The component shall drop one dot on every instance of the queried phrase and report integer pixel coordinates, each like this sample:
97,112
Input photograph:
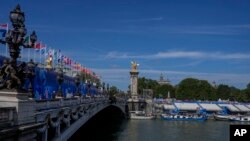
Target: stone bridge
23,119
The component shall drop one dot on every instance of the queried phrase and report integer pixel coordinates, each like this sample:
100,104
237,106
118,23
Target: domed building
162,81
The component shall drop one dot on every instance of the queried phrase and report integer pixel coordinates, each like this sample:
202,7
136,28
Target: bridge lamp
17,17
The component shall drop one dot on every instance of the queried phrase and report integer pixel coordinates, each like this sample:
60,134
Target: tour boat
139,115
190,117
240,118
222,117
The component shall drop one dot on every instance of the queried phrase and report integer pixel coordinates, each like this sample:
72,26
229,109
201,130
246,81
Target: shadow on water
103,126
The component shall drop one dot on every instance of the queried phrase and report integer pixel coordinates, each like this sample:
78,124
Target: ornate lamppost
60,80
30,73
12,75
77,82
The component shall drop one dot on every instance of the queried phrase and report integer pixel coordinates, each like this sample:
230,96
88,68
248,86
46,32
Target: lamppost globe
17,17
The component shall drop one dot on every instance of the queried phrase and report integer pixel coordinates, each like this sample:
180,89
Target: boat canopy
187,106
210,107
243,108
230,107
169,107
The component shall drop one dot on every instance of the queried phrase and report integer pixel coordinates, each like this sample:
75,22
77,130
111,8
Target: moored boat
222,117
177,117
240,118
139,115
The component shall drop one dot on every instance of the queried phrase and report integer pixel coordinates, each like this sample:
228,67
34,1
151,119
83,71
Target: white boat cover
169,107
248,106
243,108
210,107
230,107
187,106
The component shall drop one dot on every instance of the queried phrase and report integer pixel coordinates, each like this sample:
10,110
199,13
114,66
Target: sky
208,39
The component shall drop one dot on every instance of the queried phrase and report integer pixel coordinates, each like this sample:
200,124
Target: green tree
194,89
162,91
113,90
246,93
144,83
223,92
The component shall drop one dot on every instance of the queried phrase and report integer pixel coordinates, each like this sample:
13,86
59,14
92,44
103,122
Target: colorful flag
39,46
3,29
27,40
59,56
43,50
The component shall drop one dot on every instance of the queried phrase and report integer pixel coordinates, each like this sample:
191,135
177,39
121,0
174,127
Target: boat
189,117
240,118
140,115
222,117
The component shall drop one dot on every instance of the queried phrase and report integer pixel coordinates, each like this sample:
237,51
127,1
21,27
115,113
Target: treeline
194,89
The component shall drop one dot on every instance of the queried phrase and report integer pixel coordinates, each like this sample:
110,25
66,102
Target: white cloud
121,76
181,54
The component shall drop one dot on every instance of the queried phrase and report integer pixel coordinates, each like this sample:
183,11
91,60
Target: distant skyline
207,39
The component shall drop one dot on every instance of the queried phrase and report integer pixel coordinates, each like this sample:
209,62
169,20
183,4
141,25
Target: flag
39,46
59,56
43,50
27,40
3,29
55,56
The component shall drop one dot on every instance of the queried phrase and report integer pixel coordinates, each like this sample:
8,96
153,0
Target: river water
108,126
160,130
154,130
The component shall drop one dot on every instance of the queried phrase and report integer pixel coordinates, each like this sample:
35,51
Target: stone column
134,85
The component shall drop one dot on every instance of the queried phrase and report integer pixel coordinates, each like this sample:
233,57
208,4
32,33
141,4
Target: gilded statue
49,62
134,66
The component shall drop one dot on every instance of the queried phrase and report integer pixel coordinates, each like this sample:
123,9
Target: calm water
159,130
108,126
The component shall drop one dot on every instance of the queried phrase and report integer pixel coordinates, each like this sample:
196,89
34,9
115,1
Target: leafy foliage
195,89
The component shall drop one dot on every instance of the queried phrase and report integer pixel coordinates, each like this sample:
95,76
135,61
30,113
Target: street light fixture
14,39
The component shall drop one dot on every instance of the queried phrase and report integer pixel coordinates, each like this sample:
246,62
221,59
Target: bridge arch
89,113
102,126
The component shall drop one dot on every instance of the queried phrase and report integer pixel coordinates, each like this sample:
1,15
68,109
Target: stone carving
12,77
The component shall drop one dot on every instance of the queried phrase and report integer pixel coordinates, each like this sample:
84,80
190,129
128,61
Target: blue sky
200,39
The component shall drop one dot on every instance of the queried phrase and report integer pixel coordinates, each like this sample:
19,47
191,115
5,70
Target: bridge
23,118
33,99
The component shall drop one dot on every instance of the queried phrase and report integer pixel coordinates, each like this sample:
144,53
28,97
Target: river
153,130
160,130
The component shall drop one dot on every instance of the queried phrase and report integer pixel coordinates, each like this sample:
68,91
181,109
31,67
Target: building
162,81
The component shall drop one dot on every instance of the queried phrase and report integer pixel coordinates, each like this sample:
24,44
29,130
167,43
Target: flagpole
45,55
28,54
6,44
40,59
34,55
